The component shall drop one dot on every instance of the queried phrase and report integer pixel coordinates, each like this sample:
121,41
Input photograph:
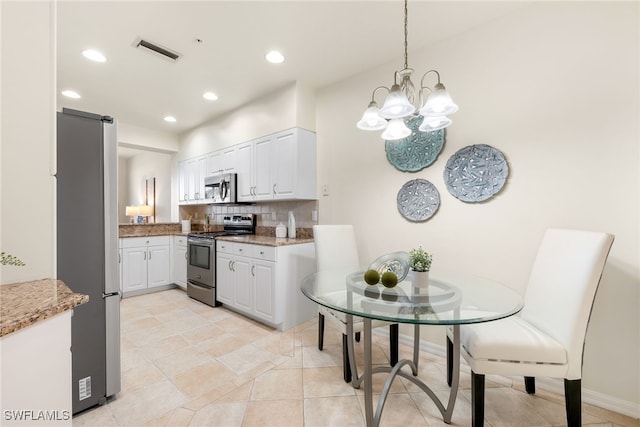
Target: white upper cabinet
183,195
223,161
191,175
244,169
281,166
263,168
278,167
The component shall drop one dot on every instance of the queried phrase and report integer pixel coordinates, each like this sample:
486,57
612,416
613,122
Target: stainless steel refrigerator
87,250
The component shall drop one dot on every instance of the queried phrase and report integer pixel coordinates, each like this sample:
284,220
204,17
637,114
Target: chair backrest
336,247
562,287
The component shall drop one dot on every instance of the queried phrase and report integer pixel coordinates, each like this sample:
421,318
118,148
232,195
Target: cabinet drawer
180,240
267,253
135,242
224,247
243,249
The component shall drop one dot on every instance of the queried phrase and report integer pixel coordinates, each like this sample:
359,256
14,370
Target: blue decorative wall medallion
417,151
418,200
475,173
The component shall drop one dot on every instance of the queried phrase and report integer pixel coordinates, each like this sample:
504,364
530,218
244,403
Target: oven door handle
198,285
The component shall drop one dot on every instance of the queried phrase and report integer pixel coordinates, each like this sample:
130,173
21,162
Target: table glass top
448,300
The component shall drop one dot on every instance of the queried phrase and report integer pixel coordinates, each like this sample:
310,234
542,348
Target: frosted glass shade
396,129
396,105
432,123
439,103
371,119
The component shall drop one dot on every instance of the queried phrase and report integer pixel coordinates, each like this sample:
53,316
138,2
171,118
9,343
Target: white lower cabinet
180,261
263,281
146,262
36,372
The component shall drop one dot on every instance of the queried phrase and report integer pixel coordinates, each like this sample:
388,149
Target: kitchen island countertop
26,303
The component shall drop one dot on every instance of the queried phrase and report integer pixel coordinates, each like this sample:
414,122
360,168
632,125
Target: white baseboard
595,398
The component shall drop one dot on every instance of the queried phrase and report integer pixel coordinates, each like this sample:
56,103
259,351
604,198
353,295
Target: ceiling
322,41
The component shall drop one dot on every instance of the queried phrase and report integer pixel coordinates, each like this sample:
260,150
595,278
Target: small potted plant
420,264
8,259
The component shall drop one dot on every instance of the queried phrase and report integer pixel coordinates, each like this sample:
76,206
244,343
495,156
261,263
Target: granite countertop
256,239
24,304
155,229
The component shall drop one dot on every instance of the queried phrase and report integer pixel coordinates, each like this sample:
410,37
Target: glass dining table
449,300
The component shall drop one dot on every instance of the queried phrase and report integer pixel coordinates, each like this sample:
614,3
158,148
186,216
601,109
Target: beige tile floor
187,364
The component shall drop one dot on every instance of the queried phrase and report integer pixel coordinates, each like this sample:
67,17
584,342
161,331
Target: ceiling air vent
153,47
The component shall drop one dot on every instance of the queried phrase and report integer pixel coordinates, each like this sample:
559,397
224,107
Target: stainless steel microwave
221,188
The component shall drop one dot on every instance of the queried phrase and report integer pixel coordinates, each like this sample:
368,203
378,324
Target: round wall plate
475,173
417,151
418,200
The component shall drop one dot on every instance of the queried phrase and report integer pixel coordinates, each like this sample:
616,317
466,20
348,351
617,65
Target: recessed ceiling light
170,119
71,94
210,96
274,57
94,55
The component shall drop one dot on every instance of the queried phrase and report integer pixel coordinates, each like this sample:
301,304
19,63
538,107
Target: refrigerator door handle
110,294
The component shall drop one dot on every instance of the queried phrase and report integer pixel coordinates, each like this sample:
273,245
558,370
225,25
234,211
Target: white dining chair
547,337
336,249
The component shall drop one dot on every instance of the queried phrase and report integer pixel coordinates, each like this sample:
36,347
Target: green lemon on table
372,277
389,279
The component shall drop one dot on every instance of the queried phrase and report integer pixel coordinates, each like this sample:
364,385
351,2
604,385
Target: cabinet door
245,172
224,278
215,163
229,160
182,183
158,266
134,269
202,171
263,162
284,170
243,284
191,167
180,266
263,273
223,161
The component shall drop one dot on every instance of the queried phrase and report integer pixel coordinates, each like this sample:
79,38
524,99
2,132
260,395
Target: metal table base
373,420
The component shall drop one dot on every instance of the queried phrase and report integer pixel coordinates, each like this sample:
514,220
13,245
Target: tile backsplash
303,211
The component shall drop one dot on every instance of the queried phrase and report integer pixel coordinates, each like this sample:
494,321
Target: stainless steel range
201,266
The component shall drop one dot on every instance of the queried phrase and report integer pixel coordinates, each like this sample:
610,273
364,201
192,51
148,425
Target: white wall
28,136
143,138
554,87
123,189
146,165
269,114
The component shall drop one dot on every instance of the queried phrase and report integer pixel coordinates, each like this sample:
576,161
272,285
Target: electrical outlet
274,216
325,190
314,215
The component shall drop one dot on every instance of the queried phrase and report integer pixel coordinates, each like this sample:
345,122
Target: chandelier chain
406,44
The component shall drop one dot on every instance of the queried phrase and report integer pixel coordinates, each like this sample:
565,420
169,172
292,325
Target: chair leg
449,362
573,402
393,344
357,336
345,360
530,385
320,331
477,400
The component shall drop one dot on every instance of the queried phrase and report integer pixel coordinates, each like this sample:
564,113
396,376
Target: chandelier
402,103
